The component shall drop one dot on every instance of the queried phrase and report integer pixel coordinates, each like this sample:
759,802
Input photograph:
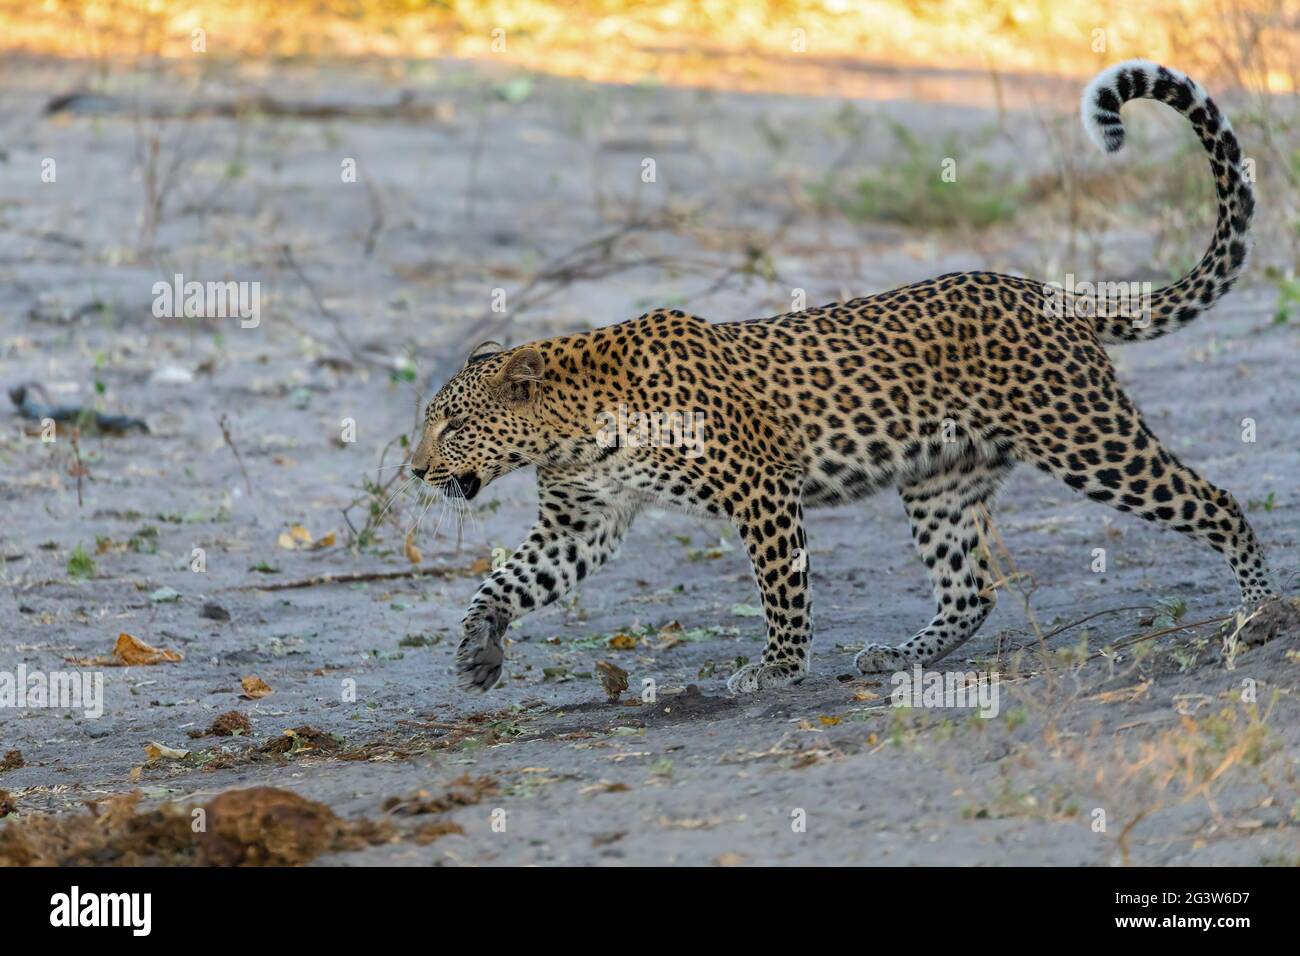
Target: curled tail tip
1177,304
1133,79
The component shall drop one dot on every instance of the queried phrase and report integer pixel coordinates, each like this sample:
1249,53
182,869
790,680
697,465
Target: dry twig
224,424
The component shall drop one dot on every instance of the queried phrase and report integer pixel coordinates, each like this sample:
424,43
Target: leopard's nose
419,472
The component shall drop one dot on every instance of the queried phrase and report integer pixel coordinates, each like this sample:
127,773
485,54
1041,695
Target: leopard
938,388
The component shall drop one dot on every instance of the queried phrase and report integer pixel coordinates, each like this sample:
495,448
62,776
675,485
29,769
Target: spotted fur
938,388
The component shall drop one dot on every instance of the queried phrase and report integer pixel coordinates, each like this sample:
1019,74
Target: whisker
464,509
475,524
461,505
441,514
393,497
419,521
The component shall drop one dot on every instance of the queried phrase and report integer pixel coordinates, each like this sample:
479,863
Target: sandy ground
1145,755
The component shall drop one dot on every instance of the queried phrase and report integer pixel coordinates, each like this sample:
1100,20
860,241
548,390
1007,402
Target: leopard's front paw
482,652
883,659
754,677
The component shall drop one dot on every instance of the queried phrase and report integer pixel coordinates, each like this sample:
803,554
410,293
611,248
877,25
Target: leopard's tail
1175,305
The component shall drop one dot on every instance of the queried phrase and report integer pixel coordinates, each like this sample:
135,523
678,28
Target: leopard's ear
521,380
482,351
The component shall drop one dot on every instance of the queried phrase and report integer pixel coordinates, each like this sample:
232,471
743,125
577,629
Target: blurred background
714,42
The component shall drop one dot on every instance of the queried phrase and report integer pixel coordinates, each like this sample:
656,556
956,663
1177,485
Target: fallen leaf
627,755
255,688
605,786
687,823
1122,694
623,642
427,833
412,552
828,721
481,566
1188,704
298,537
130,651
156,752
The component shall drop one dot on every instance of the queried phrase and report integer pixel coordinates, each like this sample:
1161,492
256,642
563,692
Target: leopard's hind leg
1113,457
945,512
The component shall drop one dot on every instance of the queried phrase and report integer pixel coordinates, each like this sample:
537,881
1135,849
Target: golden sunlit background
773,45
708,41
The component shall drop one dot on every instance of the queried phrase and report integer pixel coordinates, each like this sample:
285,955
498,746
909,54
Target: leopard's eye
452,425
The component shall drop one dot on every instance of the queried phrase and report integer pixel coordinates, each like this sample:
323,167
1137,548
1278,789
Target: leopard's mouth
464,486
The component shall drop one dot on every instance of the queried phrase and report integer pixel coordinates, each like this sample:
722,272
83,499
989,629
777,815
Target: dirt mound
687,705
1278,618
302,739
230,724
266,826
263,826
113,832
464,792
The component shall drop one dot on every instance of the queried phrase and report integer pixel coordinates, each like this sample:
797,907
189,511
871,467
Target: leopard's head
484,423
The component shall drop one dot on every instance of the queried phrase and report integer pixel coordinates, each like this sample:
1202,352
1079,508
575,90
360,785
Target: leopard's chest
668,487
